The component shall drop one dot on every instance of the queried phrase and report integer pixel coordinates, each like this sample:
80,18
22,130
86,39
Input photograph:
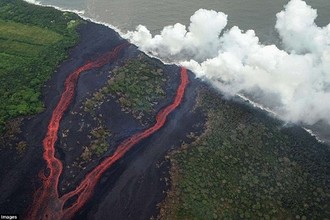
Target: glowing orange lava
47,202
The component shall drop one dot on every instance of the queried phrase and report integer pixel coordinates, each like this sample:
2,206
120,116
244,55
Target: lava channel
47,203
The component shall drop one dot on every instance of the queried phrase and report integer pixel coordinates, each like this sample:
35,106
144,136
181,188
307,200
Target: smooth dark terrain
213,159
138,175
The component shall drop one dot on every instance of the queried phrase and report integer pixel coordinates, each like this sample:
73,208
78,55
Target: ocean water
258,15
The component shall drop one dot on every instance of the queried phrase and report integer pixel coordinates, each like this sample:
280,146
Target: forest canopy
33,41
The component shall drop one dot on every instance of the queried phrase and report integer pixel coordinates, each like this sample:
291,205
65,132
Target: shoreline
95,39
189,197
34,127
135,176
314,133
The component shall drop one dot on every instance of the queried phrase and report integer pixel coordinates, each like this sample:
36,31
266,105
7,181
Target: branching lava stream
47,203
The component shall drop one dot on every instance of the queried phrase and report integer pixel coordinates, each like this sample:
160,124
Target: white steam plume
33,2
175,42
294,83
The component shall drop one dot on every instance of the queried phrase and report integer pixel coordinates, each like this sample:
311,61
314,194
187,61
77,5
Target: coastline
94,40
141,173
314,133
242,153
79,13
33,128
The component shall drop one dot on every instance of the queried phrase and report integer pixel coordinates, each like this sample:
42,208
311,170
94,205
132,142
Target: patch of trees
25,65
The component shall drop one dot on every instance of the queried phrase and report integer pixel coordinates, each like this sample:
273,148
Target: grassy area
28,34
15,47
33,41
137,85
246,167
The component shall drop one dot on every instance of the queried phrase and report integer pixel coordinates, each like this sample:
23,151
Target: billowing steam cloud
33,2
176,43
294,83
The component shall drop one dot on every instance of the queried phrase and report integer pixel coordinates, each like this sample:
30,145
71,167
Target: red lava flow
47,203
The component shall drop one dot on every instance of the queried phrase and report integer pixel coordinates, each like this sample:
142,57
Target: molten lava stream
85,189
47,203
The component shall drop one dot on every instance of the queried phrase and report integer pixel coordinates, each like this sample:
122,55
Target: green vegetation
27,34
244,167
99,144
33,41
138,86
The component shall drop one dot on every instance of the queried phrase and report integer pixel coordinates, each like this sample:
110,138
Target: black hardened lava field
93,128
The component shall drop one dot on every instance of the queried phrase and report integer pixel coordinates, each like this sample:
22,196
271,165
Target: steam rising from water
33,2
294,83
